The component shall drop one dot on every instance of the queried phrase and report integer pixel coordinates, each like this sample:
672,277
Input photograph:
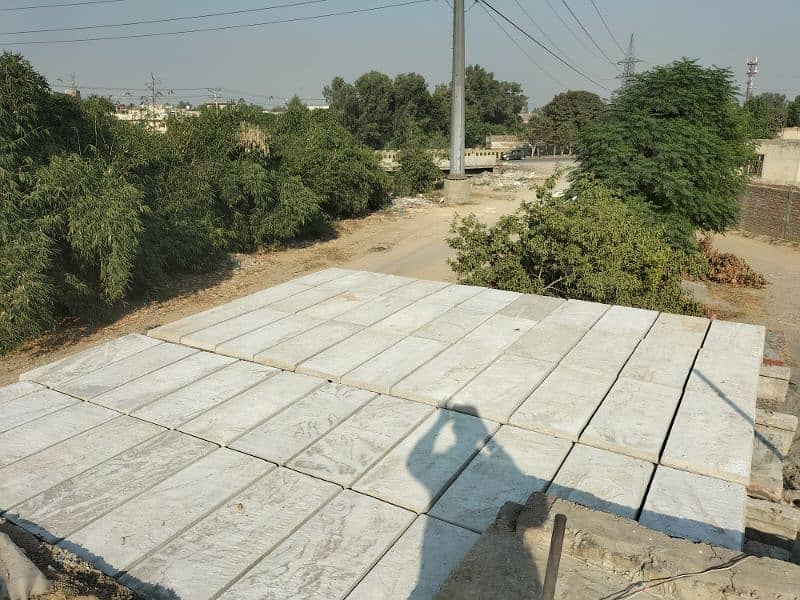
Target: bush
418,173
590,248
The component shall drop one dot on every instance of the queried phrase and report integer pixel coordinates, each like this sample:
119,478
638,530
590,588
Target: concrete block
532,307
95,383
16,390
381,373
72,504
347,451
290,353
412,317
499,390
548,341
563,403
418,563
498,332
418,289
694,507
776,372
375,310
457,191
733,379
209,556
727,337
211,337
122,537
41,471
766,468
304,422
452,325
250,345
633,419
304,299
416,471
343,541
603,481
626,321
678,330
337,305
712,436
577,313
345,356
35,436
233,418
773,391
22,409
602,351
55,373
770,418
653,362
382,284
185,404
512,465
490,301
137,393
453,295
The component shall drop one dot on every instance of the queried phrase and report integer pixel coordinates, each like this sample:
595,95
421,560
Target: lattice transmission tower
752,70
628,64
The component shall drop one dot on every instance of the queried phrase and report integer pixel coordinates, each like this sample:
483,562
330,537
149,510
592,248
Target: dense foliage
94,209
675,144
418,171
591,248
768,113
559,122
382,112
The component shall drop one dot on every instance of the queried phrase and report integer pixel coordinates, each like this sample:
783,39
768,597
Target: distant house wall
781,162
771,210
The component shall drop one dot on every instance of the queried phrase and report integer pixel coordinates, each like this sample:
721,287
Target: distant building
778,160
318,107
502,142
152,117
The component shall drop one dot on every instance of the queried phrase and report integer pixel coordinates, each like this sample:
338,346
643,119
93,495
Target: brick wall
771,210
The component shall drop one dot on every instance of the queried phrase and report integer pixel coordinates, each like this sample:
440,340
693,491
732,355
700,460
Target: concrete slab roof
351,433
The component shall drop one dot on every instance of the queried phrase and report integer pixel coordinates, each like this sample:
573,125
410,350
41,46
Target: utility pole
752,70
628,64
457,186
216,93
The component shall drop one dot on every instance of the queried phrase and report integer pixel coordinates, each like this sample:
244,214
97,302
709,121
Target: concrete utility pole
752,69
457,186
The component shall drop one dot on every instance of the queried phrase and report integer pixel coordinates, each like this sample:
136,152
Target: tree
591,248
541,132
570,112
675,144
492,106
793,113
768,113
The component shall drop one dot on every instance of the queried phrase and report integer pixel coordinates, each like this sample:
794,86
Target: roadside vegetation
94,210
661,163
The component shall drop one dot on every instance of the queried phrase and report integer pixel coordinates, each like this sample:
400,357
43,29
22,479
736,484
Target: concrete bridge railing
474,159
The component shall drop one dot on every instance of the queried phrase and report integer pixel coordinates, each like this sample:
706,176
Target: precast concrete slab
490,301
634,419
16,390
305,299
414,316
603,480
343,540
348,354
679,330
626,321
511,466
453,295
323,276
292,352
125,535
337,305
250,345
418,563
654,362
415,473
21,409
532,307
452,325
208,557
343,454
378,309
291,431
696,507
56,373
211,337
740,339
602,351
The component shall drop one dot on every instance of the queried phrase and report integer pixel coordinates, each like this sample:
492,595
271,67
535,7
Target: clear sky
301,57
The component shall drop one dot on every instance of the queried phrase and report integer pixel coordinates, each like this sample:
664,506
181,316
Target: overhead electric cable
167,20
37,6
521,49
608,29
543,47
589,35
219,28
542,31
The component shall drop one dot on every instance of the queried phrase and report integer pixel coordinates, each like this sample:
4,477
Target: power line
37,6
167,20
608,29
542,31
521,49
219,28
568,28
543,47
589,35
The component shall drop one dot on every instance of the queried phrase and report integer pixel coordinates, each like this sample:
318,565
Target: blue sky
300,58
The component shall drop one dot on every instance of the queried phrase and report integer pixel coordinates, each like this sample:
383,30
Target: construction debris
19,577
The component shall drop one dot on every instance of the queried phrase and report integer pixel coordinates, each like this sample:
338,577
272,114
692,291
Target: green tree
570,112
768,113
590,248
793,113
675,144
